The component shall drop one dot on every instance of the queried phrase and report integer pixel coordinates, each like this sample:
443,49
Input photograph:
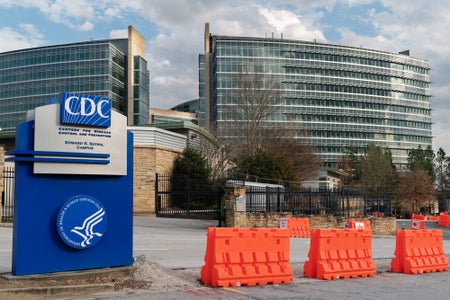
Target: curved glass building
113,68
336,96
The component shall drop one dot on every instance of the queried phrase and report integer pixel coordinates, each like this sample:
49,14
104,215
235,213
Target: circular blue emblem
81,222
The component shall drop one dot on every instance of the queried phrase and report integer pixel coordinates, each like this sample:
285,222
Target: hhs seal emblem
81,222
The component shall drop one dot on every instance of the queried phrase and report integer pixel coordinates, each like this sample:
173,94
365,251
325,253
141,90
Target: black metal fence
8,194
303,201
181,196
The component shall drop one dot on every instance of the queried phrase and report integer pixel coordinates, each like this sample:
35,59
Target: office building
336,97
114,68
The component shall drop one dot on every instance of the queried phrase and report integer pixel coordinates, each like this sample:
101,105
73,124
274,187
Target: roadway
180,244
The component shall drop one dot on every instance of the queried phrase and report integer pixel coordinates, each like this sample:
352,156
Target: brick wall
149,160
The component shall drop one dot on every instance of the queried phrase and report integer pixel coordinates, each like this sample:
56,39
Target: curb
51,291
37,286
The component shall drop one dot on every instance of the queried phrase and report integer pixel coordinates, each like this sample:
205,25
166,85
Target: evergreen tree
378,174
192,163
422,159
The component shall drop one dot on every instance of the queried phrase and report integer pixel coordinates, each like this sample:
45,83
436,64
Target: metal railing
345,202
8,194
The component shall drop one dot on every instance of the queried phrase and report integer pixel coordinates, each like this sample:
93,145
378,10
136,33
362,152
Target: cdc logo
81,222
85,110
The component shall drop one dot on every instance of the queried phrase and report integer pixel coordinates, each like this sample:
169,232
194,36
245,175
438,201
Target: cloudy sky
174,31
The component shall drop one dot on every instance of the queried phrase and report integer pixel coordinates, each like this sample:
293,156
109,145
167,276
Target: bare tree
415,191
255,101
299,153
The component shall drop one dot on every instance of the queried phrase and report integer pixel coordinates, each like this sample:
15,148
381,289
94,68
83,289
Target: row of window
55,86
354,60
385,107
358,135
61,70
351,122
353,90
310,47
354,75
58,54
394,100
345,82
327,126
277,52
357,120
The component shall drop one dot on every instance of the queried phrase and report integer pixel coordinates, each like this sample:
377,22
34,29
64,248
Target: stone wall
233,218
149,160
380,226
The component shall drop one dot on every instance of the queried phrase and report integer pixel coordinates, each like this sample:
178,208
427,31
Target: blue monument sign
73,187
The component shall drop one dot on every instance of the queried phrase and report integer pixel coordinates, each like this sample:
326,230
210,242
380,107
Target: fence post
310,202
234,218
188,193
348,206
278,200
2,168
157,198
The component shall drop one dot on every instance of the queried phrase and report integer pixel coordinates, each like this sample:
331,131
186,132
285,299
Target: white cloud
80,15
118,34
173,54
27,36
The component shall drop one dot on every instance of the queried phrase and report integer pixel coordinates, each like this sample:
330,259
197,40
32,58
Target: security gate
182,197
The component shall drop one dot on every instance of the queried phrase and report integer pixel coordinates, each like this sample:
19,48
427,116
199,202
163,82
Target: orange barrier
444,219
432,218
340,253
417,224
355,224
419,251
378,215
299,227
417,217
247,256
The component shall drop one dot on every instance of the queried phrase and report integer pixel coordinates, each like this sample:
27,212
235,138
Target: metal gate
183,197
8,194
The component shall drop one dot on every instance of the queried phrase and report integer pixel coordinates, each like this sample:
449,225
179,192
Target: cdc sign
85,110
73,187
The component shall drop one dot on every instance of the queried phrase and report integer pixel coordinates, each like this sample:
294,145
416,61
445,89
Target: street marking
235,291
152,249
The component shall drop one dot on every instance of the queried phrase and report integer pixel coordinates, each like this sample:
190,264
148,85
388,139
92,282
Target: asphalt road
181,244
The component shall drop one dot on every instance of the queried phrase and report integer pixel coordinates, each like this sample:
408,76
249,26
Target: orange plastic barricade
444,220
299,227
340,253
432,218
419,251
417,224
356,224
247,256
417,217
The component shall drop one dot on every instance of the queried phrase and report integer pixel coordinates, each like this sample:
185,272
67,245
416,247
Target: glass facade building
111,68
337,97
